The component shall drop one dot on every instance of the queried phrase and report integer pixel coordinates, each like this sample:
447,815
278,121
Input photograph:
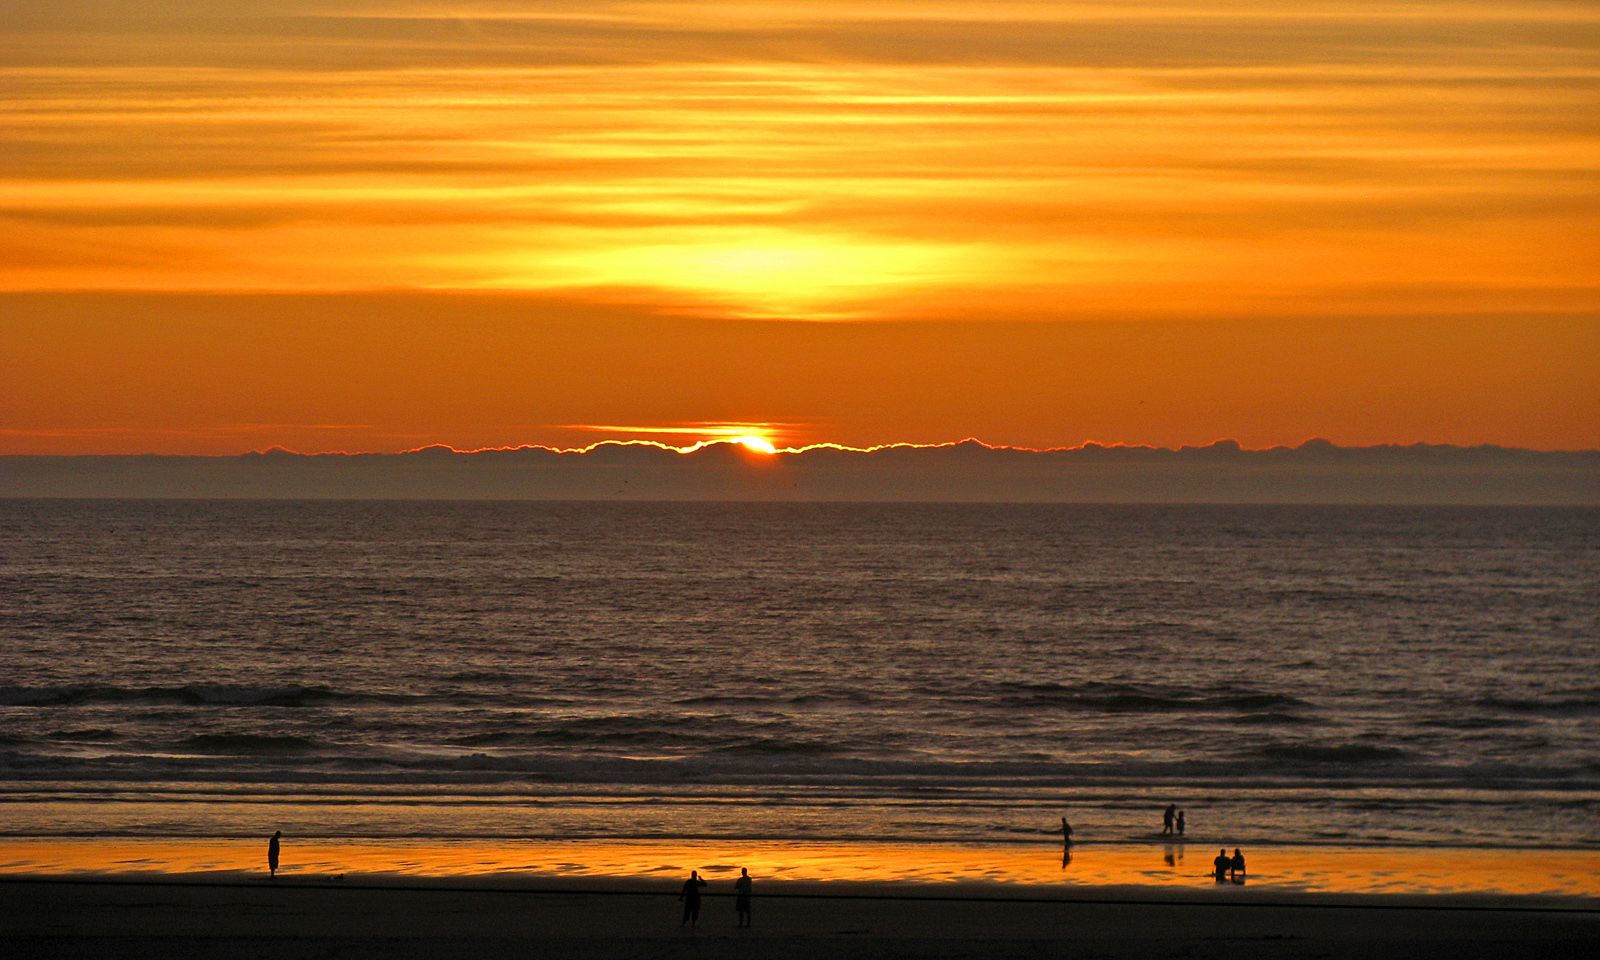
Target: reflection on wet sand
1298,869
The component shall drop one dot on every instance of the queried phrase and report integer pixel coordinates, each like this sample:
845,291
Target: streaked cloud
823,159
496,369
947,161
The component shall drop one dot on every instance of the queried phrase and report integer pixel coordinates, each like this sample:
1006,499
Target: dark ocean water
1286,674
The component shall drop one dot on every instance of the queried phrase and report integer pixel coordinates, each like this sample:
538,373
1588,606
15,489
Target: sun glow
388,225
775,272
761,437
756,444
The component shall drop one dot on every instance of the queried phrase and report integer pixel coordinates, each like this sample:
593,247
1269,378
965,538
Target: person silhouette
1222,864
1236,866
272,854
691,899
741,900
1180,823
1066,833
1167,817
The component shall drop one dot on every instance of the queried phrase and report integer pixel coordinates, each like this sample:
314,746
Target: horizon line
760,446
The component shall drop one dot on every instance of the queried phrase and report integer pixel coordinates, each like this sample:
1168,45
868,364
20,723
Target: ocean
1354,676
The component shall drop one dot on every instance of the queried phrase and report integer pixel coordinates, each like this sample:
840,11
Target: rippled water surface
1339,675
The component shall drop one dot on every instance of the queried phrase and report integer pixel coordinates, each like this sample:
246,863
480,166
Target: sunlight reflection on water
1287,869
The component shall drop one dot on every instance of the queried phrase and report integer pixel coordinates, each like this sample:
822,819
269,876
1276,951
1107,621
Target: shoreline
998,871
866,891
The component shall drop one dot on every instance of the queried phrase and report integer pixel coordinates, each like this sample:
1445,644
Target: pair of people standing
690,896
1172,821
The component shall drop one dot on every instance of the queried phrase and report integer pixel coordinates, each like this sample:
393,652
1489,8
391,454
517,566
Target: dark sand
288,919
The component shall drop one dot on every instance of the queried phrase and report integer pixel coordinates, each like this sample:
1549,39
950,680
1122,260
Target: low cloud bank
1314,472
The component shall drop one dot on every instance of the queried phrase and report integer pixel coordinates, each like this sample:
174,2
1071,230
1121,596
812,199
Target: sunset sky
362,225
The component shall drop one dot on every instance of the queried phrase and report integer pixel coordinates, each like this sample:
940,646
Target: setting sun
497,472
374,225
756,444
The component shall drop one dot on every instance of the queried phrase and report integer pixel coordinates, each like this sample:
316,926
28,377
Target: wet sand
594,899
286,919
1155,867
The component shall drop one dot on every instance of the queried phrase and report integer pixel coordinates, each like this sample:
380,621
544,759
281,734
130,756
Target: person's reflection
1066,856
1169,853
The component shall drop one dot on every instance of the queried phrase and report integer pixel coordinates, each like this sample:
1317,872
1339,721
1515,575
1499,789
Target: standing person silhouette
741,900
272,854
691,899
1222,864
1180,823
1166,818
1236,866
1066,833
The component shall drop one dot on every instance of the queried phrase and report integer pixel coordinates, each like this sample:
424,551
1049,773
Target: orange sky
352,224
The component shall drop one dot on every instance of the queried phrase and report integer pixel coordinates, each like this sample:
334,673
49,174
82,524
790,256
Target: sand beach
164,919
98,898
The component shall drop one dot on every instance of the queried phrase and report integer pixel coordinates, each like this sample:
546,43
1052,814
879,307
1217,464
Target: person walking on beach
691,899
1222,864
741,900
1167,817
1236,866
1180,823
272,854
1066,833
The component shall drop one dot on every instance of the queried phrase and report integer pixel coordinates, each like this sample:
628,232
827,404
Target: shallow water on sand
1171,868
1348,676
